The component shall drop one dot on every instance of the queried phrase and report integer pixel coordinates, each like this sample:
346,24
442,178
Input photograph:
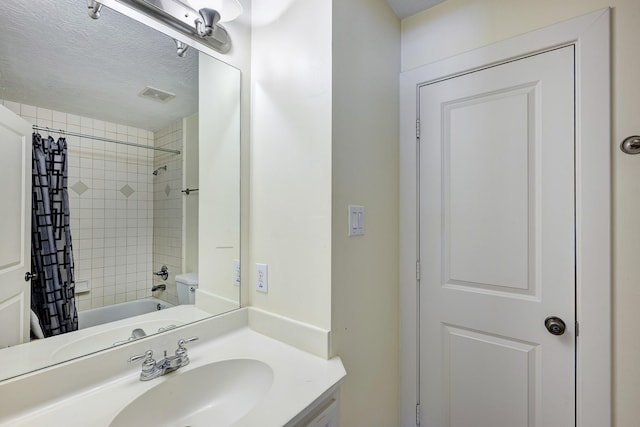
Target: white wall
219,177
364,290
461,25
290,183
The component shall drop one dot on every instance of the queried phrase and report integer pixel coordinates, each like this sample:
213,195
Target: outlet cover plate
262,278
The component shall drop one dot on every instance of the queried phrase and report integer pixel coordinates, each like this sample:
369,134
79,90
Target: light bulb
228,9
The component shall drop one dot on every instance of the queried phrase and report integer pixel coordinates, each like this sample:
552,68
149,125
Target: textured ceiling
404,8
54,56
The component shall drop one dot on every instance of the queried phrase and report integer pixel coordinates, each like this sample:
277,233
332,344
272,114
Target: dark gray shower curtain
52,292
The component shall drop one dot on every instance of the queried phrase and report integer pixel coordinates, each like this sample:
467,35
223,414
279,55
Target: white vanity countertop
299,379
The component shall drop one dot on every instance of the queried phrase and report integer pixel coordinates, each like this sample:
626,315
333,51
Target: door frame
590,34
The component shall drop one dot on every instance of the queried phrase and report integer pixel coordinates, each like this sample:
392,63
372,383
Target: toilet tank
187,283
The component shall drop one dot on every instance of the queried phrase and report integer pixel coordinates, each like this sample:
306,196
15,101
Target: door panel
477,383
486,210
15,227
497,245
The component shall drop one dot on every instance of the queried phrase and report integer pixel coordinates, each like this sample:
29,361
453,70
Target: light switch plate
356,220
262,278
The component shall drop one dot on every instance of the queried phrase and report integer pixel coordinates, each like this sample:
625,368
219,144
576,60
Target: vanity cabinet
264,382
325,412
328,417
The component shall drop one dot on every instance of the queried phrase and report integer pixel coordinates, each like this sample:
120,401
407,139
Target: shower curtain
52,291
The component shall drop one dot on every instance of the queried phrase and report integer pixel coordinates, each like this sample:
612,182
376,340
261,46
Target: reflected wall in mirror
100,83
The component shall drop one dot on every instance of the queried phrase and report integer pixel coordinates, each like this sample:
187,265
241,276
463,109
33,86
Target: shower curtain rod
99,138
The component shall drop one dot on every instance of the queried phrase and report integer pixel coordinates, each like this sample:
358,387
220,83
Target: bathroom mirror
112,86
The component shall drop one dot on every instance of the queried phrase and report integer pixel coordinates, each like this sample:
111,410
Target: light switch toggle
356,220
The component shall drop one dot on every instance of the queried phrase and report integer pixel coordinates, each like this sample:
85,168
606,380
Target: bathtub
111,313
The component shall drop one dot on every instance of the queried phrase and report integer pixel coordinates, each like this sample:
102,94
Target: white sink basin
216,394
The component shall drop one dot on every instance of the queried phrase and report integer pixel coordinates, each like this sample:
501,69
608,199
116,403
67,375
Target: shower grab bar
99,138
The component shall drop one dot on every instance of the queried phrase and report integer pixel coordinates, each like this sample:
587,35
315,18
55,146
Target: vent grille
156,94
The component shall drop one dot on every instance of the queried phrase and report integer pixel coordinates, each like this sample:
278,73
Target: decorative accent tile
127,191
79,188
167,190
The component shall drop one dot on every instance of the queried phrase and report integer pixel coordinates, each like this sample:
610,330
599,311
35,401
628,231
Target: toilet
187,284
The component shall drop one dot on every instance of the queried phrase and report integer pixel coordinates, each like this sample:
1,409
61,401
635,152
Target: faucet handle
182,342
181,351
149,367
147,356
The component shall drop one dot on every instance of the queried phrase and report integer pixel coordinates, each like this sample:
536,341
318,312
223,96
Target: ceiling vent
156,94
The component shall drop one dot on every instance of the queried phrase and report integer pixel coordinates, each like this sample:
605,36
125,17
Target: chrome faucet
163,273
160,287
153,369
138,333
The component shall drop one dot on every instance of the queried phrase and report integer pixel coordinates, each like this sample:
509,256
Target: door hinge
417,270
417,414
577,329
418,128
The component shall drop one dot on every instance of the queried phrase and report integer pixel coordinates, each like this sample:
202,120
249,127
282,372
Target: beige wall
290,183
461,25
325,135
364,269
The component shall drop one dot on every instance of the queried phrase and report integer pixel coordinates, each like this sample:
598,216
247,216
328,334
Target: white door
497,245
15,228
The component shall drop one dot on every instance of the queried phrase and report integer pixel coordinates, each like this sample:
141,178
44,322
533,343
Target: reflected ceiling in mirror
94,68
97,71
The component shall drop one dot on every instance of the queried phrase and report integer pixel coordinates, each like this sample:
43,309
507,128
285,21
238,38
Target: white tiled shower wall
167,208
111,191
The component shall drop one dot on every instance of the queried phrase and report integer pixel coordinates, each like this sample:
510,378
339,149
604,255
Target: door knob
30,276
555,325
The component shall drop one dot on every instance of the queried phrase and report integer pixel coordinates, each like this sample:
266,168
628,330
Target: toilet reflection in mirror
187,285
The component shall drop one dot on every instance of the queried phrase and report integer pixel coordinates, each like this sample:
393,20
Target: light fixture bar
183,19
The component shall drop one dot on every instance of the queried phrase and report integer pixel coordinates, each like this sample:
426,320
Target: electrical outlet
262,278
236,272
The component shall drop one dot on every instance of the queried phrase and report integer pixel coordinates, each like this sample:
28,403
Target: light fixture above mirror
197,19
94,8
227,9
